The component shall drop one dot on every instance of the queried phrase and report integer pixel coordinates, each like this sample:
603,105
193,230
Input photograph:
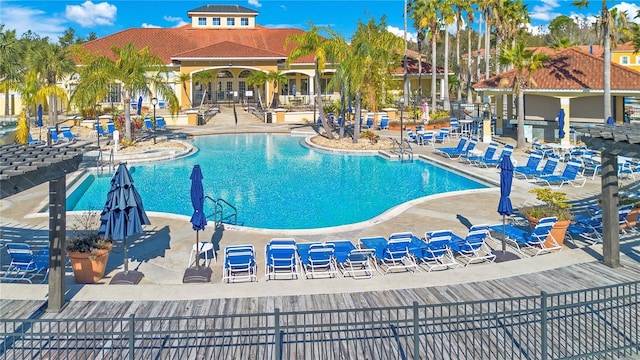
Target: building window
638,60
202,21
231,21
244,21
284,88
215,21
304,87
624,60
292,87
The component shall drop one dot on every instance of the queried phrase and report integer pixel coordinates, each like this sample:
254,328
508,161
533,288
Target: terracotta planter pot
632,218
89,268
558,231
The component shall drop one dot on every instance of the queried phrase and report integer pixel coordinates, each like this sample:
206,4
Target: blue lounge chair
591,166
389,255
473,247
587,228
369,123
239,263
100,130
627,167
570,175
488,155
384,122
148,124
625,226
506,151
352,261
443,135
413,136
160,124
437,253
455,127
35,142
55,139
454,152
67,134
25,265
110,128
317,260
539,240
281,258
549,169
530,169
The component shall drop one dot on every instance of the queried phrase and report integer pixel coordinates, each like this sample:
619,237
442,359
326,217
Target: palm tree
275,78
52,62
257,79
310,42
604,26
205,78
526,63
137,71
375,55
562,43
425,15
470,17
447,17
185,79
417,13
11,70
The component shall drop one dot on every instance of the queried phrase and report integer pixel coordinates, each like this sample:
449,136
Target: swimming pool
277,183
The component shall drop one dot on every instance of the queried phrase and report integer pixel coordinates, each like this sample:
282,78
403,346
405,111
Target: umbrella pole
197,250
126,260
504,235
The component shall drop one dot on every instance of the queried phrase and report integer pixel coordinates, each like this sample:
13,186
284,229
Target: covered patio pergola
23,167
611,141
571,80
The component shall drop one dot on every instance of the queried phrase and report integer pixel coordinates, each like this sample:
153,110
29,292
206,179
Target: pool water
277,183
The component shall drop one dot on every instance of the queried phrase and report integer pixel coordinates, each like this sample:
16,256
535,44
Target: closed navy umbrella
198,219
39,121
504,206
123,215
561,124
139,105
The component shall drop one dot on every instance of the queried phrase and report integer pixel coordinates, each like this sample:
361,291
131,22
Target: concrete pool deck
162,252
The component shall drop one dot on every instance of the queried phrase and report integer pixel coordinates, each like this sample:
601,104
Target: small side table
205,247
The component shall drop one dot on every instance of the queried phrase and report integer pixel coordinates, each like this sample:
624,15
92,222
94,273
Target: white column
312,81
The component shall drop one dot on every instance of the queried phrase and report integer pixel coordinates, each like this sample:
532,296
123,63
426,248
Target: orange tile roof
570,69
169,42
228,49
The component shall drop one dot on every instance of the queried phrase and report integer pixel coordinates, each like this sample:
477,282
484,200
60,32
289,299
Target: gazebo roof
23,167
622,139
568,70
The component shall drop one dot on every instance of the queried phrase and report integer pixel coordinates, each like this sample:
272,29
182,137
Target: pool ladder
218,214
100,165
403,150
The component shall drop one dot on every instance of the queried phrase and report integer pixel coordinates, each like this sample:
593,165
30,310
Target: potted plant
632,218
88,251
554,204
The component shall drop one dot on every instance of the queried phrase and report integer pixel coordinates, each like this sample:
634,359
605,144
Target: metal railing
218,214
595,323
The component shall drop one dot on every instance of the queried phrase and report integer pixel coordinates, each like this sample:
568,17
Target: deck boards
379,342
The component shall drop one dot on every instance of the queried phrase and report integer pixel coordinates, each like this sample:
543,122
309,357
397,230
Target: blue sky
52,17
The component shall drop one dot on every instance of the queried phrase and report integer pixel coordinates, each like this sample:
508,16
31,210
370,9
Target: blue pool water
276,183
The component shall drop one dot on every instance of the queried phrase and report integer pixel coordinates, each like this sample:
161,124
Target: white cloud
631,9
544,11
22,19
177,20
283,8
255,3
89,14
150,26
400,33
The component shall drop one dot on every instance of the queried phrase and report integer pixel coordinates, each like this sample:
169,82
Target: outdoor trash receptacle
269,118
